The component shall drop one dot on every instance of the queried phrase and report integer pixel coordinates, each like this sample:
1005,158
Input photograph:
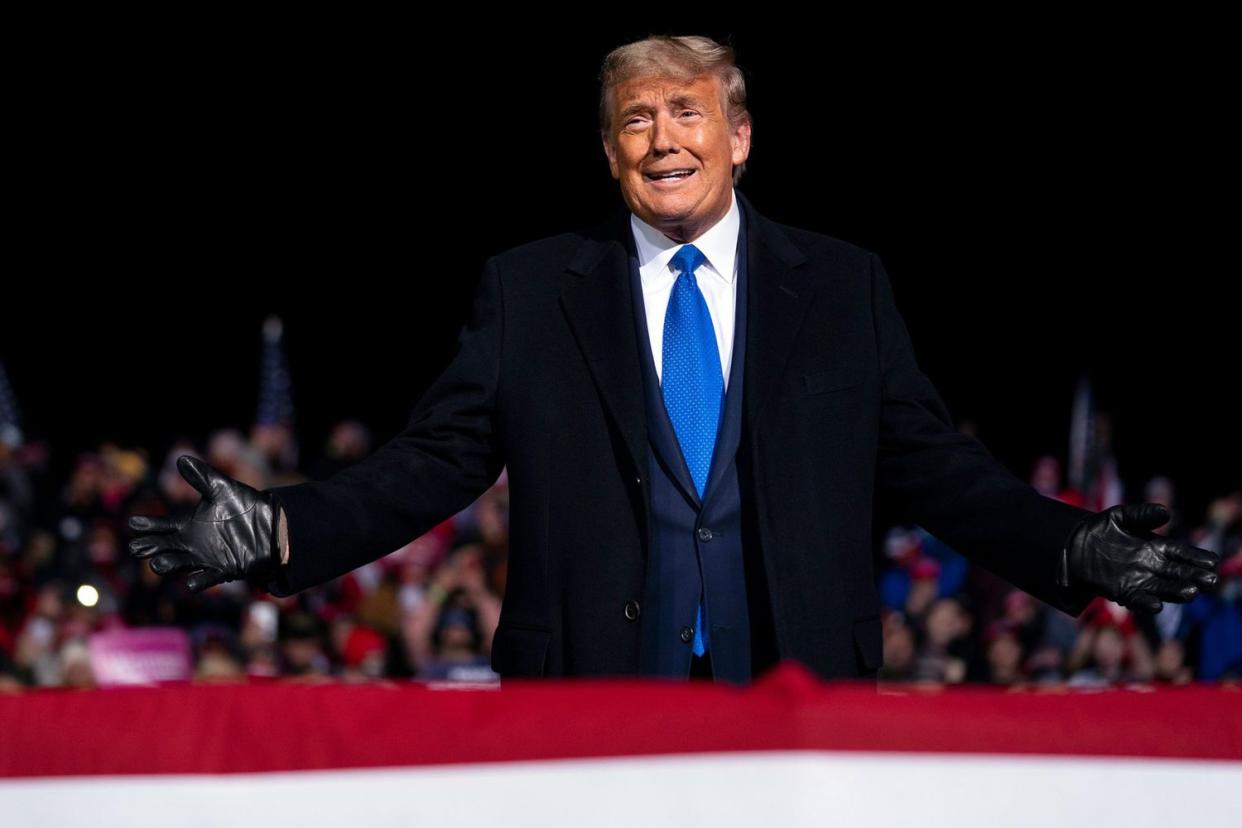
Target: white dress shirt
716,277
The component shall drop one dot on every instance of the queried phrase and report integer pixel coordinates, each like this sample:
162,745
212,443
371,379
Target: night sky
1041,211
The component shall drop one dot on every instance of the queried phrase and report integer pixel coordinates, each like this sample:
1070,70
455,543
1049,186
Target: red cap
362,641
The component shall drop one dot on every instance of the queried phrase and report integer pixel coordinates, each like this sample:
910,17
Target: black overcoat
839,420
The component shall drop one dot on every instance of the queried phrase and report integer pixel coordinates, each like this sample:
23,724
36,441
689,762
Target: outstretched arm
951,485
449,453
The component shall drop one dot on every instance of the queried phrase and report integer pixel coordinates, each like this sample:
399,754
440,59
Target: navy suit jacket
838,421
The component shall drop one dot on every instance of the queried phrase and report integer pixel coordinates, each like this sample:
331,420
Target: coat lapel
780,289
598,304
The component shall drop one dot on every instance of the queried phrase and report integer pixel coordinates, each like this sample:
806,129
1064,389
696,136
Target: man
699,409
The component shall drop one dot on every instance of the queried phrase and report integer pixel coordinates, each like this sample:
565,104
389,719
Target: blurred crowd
427,611
947,621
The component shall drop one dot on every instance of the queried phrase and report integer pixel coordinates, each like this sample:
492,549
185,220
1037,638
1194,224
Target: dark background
1042,208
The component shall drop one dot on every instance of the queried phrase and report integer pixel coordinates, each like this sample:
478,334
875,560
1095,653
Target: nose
663,138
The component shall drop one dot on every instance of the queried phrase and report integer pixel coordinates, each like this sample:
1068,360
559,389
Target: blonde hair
681,59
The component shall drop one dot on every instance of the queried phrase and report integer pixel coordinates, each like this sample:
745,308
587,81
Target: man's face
660,125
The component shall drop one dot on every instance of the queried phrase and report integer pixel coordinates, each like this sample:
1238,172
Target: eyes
681,115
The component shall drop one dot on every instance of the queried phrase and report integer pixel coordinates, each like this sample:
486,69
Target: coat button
638,480
631,610
705,534
687,634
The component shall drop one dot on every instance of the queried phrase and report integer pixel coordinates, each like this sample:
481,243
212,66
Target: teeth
681,174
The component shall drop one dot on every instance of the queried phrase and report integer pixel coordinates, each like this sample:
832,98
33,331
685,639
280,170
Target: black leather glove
230,536
1115,554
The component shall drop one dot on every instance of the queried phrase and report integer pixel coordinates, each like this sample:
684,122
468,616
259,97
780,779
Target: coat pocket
520,651
837,378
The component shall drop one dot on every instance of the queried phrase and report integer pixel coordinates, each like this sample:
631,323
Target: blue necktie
692,382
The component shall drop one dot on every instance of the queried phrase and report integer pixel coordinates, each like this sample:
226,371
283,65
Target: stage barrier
788,750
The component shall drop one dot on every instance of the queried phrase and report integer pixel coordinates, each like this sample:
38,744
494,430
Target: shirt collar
718,244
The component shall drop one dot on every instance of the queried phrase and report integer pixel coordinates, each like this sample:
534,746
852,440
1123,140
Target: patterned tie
692,382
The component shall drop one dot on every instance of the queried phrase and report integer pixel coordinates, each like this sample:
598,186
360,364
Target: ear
611,152
741,140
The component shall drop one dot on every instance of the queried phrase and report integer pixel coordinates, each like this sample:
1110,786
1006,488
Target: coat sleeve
929,473
449,453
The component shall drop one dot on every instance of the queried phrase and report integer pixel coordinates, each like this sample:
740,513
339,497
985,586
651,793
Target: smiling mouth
672,177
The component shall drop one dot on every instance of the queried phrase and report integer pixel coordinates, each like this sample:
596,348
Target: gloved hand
1115,553
230,536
